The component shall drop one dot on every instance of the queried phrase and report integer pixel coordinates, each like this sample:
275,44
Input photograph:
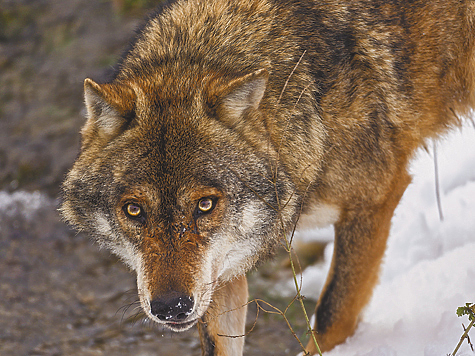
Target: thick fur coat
229,122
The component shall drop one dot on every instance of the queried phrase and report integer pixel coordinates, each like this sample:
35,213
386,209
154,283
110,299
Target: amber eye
133,211
205,205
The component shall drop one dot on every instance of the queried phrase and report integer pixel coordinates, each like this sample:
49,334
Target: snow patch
429,267
22,203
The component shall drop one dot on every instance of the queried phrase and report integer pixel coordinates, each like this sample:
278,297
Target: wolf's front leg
360,241
222,328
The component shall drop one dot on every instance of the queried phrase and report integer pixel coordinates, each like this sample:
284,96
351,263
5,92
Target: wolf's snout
172,307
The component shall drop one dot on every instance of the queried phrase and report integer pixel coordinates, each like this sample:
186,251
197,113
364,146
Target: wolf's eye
205,205
133,211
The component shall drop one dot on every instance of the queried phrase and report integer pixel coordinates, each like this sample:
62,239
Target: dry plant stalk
288,241
298,296
470,311
437,182
287,245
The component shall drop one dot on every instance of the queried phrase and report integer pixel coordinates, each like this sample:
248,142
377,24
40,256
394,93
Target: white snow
21,203
429,268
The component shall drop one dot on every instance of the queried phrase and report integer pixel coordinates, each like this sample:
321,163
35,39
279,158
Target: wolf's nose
172,307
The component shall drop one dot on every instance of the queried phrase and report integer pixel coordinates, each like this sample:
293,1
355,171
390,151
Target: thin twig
437,183
464,336
300,299
288,78
299,296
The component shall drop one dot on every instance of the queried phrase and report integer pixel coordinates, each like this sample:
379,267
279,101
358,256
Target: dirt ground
59,294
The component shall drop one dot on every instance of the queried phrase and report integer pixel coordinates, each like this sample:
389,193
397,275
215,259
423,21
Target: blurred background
59,294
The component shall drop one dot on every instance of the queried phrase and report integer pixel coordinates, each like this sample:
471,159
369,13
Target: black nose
172,307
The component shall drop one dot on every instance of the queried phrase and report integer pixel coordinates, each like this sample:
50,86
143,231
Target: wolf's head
182,185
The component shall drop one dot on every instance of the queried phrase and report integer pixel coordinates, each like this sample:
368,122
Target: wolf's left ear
109,109
241,95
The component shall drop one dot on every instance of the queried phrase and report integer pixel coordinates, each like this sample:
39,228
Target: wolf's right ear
110,107
233,99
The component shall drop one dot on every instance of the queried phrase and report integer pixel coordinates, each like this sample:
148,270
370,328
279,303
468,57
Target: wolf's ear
241,95
110,108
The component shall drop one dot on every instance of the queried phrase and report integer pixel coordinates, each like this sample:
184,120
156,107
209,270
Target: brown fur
269,108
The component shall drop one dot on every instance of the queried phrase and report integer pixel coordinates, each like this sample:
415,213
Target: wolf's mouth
181,326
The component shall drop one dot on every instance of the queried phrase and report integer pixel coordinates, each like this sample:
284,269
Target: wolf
229,123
